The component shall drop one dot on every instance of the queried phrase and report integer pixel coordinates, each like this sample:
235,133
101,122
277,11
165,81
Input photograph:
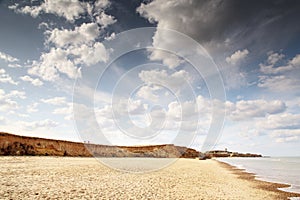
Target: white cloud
16,94
8,100
287,139
90,55
5,78
295,61
55,101
7,58
105,20
53,62
148,92
43,124
174,81
14,65
73,48
270,69
286,135
273,58
67,111
281,121
8,105
69,9
245,110
280,83
167,58
33,81
237,57
124,107
111,37
83,34
32,108
183,16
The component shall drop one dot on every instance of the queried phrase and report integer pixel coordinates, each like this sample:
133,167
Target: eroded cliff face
15,145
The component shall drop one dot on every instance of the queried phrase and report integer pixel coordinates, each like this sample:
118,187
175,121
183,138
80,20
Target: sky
204,74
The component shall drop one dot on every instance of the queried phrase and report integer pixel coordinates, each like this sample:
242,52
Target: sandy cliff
21,145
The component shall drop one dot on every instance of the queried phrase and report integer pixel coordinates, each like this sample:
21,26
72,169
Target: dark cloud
270,24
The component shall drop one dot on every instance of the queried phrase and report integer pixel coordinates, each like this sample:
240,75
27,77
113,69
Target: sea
272,169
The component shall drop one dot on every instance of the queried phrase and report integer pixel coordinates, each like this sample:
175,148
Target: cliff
16,145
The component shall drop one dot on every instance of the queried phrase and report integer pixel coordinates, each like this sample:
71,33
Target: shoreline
262,184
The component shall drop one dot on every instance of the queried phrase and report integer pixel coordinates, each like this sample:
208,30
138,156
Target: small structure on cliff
225,153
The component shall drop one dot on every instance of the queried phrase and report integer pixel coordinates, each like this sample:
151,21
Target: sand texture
86,178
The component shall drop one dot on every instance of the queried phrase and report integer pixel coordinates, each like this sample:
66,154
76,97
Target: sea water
272,169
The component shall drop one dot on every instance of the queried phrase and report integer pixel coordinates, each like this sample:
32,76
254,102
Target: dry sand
86,178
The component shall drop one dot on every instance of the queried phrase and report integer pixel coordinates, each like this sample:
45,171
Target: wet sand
86,178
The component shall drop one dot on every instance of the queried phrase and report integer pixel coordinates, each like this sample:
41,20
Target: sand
86,178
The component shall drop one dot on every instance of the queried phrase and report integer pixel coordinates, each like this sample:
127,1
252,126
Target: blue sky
81,71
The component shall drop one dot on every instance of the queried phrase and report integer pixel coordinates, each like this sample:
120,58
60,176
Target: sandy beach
86,178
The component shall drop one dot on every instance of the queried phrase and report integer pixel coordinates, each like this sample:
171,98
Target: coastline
262,184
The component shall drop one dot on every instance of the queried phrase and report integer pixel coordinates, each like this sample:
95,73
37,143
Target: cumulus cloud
284,135
69,9
174,81
16,94
147,92
67,60
8,104
184,16
280,75
179,16
245,110
5,78
273,58
124,107
33,81
237,57
57,101
281,121
90,55
295,61
7,58
152,118
52,63
43,124
70,49
280,83
66,111
8,100
270,69
105,20
85,33
111,37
